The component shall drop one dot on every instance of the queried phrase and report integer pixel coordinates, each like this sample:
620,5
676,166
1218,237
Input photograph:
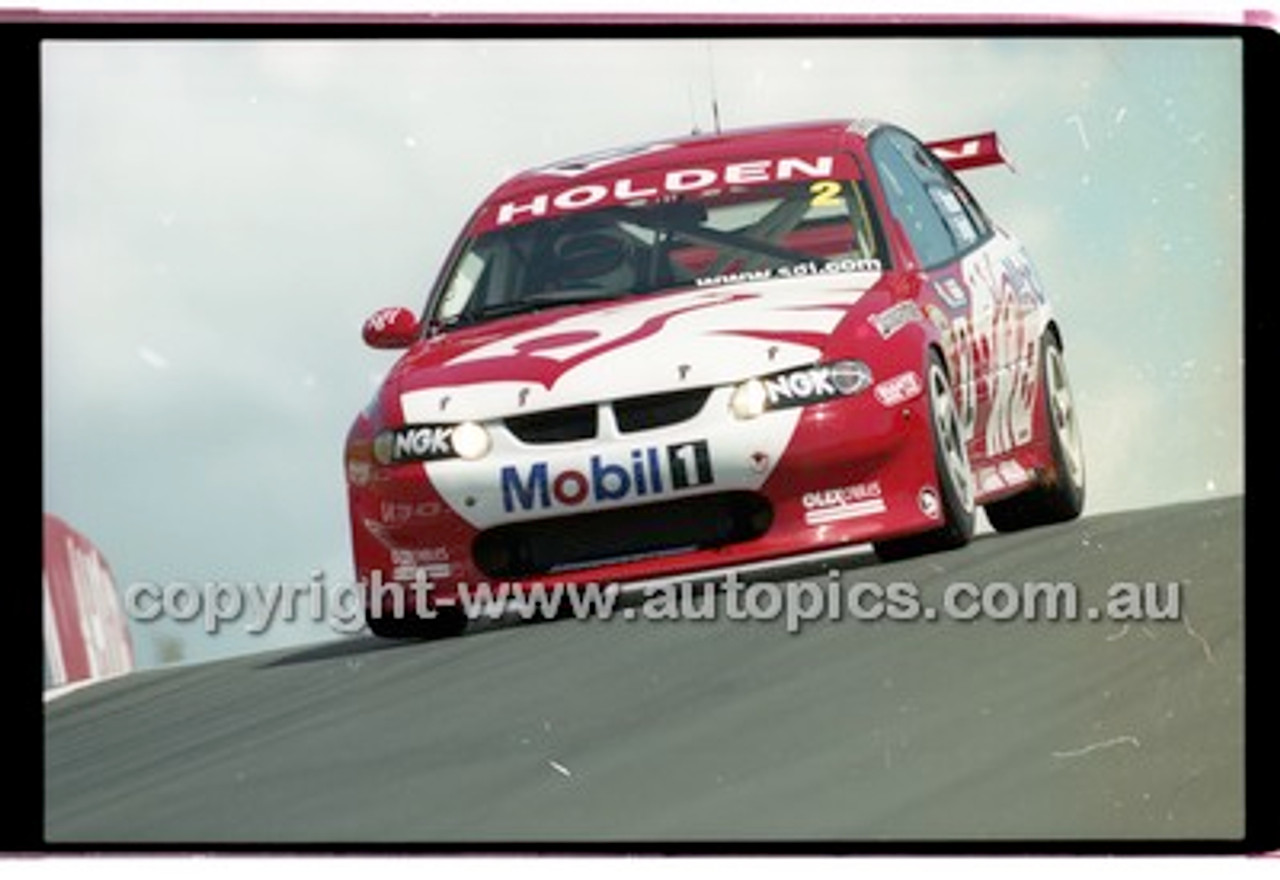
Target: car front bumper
712,492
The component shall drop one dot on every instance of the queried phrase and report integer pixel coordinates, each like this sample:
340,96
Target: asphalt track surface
722,732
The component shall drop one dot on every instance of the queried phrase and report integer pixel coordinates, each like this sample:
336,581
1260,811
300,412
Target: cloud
153,358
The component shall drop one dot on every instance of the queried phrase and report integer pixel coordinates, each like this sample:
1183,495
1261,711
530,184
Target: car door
964,259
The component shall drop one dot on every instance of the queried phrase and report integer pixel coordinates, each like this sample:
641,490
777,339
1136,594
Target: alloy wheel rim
1062,413
950,438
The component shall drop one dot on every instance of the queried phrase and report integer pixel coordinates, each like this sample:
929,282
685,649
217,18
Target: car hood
624,348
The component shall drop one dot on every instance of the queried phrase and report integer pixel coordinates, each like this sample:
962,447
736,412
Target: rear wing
971,151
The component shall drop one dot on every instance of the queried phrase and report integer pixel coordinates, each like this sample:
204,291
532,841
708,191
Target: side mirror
392,327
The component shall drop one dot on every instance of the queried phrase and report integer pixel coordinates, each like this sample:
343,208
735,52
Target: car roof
689,151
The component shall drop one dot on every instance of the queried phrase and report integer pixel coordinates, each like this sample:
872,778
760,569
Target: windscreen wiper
536,303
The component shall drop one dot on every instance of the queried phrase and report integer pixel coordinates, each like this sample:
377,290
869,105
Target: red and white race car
707,352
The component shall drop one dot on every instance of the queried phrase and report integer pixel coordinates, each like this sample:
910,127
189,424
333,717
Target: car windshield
729,235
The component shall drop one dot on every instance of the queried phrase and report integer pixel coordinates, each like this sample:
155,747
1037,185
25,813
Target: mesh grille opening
555,426
658,410
562,543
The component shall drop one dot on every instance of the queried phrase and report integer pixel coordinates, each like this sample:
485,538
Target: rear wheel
1060,494
954,498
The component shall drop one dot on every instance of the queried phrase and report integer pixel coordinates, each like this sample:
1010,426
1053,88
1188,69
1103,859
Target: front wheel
448,621
1060,494
955,477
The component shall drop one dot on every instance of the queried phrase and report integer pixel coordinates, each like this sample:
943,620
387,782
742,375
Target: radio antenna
715,99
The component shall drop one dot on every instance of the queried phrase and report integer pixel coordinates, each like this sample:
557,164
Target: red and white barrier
86,634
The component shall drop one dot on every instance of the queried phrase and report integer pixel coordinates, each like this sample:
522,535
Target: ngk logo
800,385
649,471
414,443
422,443
817,383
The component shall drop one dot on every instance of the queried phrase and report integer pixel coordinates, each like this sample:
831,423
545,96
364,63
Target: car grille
658,410
556,425
563,543
631,414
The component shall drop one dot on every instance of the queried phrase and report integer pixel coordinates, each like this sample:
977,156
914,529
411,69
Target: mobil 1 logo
640,473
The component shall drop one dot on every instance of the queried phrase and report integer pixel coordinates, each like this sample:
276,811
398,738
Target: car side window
937,213
911,203
959,211
972,212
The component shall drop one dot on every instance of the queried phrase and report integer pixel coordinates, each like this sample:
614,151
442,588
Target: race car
708,352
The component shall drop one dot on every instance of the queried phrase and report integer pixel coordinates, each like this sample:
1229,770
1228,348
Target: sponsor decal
951,293
660,184
974,151
963,148
1013,473
1007,475
989,480
645,472
801,387
816,383
414,443
432,562
954,214
1020,274
894,318
359,472
797,270
900,389
395,512
845,502
930,504
1006,308
385,317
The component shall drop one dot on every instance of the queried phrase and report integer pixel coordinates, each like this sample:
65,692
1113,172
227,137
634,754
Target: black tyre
448,621
955,476
1059,495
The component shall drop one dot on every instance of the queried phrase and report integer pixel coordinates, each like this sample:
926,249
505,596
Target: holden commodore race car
708,352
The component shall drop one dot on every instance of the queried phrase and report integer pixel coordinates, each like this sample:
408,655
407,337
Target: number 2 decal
826,194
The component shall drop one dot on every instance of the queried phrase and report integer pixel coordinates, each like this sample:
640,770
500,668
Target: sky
220,216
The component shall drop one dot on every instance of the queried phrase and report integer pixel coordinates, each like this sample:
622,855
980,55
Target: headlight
850,377
800,387
749,399
383,446
471,441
